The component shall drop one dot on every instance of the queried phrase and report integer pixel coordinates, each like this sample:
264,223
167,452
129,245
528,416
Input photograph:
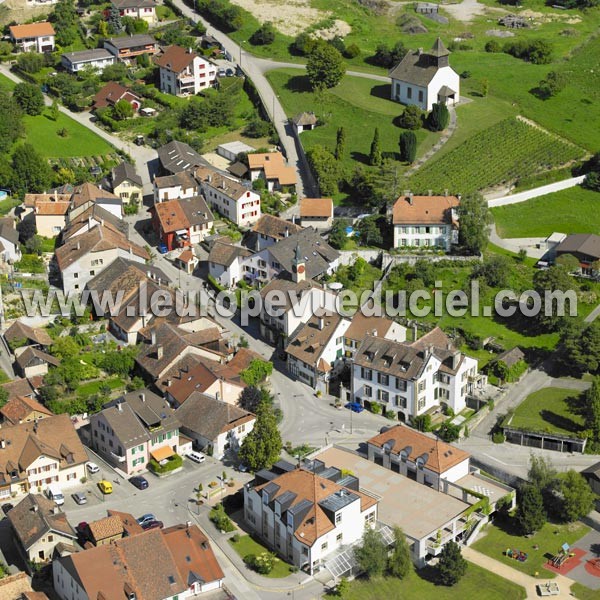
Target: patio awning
446,92
162,453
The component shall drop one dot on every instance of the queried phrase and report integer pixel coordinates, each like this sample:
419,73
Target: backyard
574,210
552,409
477,583
539,547
247,545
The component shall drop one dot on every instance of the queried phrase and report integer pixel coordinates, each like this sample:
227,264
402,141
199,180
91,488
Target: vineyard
497,155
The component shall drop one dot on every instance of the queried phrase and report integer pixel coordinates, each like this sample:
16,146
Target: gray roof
121,43
305,118
32,354
338,500
196,210
8,232
127,427
587,244
119,267
178,156
87,55
223,253
125,171
134,3
438,49
208,417
153,411
418,67
184,179
511,357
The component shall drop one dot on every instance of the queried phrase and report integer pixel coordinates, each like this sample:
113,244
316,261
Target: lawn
246,545
583,593
477,583
574,210
551,409
8,204
93,387
3,376
42,132
503,535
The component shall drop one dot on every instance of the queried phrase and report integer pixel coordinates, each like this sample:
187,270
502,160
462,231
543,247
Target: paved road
557,186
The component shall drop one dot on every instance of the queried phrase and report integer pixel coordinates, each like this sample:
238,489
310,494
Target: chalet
33,37
130,47
585,247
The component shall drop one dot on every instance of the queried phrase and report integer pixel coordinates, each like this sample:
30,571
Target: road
557,186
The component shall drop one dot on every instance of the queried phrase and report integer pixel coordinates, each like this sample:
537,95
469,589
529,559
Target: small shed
305,121
187,261
231,150
426,8
511,357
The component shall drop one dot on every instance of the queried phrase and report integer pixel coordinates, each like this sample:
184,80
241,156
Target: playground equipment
562,557
516,554
548,589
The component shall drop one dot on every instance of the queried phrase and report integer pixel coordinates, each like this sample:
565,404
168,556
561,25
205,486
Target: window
370,518
366,373
384,396
420,95
400,384
422,385
338,518
383,378
323,546
421,403
409,92
400,401
50,538
368,391
75,275
339,538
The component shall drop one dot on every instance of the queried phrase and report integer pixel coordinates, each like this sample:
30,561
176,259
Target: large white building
412,379
185,73
307,514
96,59
425,78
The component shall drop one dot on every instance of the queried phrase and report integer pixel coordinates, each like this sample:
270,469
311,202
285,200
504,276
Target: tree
554,279
352,51
34,245
411,118
304,43
29,97
399,562
422,422
340,144
569,262
338,235
375,153
592,410
11,127
530,515
576,496
30,62
252,396
193,115
256,372
137,383
116,72
485,86
114,20
64,347
257,128
371,555
262,446
54,111
264,35
32,173
325,66
134,26
449,432
592,182
342,587
122,110
326,169
451,566
369,232
474,218
553,84
495,270
541,473
388,57
26,229
408,146
438,118
118,363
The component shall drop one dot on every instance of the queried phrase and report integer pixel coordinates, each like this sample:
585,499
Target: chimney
430,192
78,245
143,397
287,231
55,195
2,444
321,323
159,352
410,198
169,382
119,407
415,332
446,193
89,223
153,337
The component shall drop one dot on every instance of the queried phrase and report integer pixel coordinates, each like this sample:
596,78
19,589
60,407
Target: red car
152,525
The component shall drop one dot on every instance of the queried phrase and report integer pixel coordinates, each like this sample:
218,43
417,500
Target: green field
575,210
477,583
503,535
93,387
510,149
553,409
246,545
583,593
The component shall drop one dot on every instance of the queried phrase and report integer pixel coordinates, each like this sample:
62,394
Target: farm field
499,154
574,210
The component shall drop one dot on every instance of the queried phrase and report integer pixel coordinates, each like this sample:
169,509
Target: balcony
118,457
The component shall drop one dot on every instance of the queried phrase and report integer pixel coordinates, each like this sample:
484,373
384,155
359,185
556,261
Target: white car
92,468
196,456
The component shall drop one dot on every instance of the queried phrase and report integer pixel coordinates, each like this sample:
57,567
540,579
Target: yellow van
105,486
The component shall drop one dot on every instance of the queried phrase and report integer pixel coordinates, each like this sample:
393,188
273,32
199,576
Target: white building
229,197
307,515
97,59
137,9
425,78
185,73
231,150
225,262
9,240
412,379
33,37
173,187
421,221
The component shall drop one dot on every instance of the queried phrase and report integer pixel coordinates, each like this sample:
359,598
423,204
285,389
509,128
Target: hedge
172,463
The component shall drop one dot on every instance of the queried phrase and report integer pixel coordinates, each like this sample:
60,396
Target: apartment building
184,72
33,37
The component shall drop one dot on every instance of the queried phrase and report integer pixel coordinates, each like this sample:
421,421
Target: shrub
174,462
235,538
222,13
498,437
408,146
438,118
537,51
264,35
493,46
262,563
352,51
411,118
304,43
390,414
220,519
376,408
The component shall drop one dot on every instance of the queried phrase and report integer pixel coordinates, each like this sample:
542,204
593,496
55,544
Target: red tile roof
424,209
31,30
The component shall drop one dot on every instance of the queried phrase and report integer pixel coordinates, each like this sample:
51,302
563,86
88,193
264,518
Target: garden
251,551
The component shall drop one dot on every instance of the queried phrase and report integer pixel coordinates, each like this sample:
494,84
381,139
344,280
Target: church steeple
438,55
298,266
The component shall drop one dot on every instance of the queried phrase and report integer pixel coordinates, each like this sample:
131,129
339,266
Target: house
269,230
182,223
129,523
20,386
229,197
225,262
308,514
187,261
425,78
287,305
84,256
174,187
592,476
105,530
362,325
36,454
315,351
137,9
585,247
271,167
33,361
33,37
130,47
413,378
126,183
215,426
418,455
183,72
168,564
232,150
316,212
9,240
20,334
95,215
176,156
238,169
23,409
18,587
96,59
87,195
38,528
49,212
426,221
112,92
130,430
304,121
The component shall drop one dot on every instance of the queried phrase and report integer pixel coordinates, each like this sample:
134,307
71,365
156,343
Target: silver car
79,497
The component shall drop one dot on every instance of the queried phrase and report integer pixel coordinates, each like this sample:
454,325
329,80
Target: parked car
146,519
356,407
152,525
92,467
105,486
81,528
197,457
162,248
141,483
79,497
7,507
242,468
